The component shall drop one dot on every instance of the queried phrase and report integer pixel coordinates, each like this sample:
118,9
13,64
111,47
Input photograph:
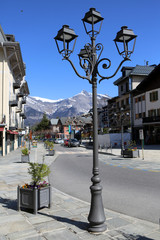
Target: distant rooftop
136,71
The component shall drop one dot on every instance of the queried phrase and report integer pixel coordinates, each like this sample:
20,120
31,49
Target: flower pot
130,154
25,158
51,153
33,198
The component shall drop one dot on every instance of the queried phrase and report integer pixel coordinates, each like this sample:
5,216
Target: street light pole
89,58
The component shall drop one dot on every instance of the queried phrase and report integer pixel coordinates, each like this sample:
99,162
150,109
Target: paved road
129,191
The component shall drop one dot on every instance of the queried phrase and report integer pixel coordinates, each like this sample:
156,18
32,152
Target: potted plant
34,144
131,151
37,194
25,155
50,149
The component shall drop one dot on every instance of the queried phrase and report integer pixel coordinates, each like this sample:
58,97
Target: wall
154,104
108,140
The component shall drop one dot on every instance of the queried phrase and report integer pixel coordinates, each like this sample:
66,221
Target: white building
13,90
146,108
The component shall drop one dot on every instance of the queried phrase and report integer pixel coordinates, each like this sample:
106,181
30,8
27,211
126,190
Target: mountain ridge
77,105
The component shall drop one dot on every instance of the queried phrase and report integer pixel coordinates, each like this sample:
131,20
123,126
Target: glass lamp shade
125,36
65,35
91,18
83,53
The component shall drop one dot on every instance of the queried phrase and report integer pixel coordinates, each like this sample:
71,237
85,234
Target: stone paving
67,217
151,161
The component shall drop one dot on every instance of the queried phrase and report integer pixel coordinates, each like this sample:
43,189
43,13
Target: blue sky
35,23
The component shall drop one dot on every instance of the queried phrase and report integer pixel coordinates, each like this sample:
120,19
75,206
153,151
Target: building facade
120,108
146,108
13,92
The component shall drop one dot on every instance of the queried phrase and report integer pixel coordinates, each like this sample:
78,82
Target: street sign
141,135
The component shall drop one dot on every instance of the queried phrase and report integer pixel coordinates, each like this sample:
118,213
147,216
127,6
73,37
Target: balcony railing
151,119
13,102
23,115
20,94
24,100
16,85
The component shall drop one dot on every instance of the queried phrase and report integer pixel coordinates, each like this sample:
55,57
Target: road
128,191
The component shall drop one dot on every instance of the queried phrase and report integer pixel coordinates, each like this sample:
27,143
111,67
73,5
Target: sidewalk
150,162
67,218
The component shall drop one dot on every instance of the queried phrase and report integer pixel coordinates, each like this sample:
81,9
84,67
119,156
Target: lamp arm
88,77
99,47
106,67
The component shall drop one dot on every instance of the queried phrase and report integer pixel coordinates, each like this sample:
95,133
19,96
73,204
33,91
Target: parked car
73,143
66,142
59,140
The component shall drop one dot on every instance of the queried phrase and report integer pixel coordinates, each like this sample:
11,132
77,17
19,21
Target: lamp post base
96,216
97,228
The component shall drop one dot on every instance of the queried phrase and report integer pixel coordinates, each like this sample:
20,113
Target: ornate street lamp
89,58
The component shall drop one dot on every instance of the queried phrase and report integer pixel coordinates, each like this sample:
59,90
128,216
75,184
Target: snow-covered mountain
76,105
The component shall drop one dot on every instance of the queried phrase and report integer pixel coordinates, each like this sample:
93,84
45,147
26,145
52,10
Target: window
153,96
143,114
143,98
158,112
139,99
136,100
121,88
152,113
136,116
140,115
127,101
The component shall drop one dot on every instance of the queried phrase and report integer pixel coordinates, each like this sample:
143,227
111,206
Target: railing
13,101
151,119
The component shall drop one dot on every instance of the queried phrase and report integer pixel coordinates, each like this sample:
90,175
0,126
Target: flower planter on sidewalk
33,198
25,158
51,152
130,153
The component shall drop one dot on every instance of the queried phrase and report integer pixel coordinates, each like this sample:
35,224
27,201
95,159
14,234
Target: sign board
141,135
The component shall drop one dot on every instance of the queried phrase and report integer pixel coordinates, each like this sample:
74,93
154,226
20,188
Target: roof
79,120
152,81
54,121
13,53
136,71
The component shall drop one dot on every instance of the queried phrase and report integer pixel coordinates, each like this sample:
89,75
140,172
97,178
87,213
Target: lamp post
89,59
123,116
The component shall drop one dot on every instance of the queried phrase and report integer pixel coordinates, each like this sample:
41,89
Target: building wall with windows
146,108
13,89
153,103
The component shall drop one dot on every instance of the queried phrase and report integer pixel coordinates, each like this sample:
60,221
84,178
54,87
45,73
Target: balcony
23,115
24,100
16,85
151,119
20,94
13,102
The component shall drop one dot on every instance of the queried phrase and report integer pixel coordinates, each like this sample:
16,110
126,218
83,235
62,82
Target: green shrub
25,151
38,172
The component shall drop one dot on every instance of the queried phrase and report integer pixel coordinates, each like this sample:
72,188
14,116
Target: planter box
34,144
34,199
25,158
51,153
130,154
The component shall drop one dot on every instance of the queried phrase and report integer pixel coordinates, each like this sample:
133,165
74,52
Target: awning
15,133
11,132
1,129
